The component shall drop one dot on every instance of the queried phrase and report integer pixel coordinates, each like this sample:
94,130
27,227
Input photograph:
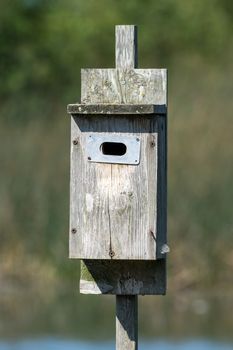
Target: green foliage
43,44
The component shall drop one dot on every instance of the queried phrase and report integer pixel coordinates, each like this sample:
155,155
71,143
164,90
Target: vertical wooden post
126,322
126,305
126,47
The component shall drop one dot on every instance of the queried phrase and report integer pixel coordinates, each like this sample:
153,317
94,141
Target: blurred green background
43,46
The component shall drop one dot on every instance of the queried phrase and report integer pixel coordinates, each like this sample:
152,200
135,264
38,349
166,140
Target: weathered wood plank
126,46
161,230
106,109
123,277
126,322
124,86
114,216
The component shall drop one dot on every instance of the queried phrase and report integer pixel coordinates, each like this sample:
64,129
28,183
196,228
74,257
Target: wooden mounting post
126,322
126,305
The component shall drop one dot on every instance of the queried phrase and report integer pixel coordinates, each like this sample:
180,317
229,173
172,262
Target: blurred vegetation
43,45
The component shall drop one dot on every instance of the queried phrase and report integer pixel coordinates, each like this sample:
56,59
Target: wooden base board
123,277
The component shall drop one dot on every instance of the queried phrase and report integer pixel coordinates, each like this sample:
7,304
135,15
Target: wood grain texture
126,322
124,86
126,46
106,109
113,206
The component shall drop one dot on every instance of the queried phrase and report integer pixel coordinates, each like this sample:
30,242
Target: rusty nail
152,234
74,230
75,142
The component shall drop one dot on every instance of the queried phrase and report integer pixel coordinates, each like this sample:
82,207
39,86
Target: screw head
75,142
89,158
152,144
73,230
111,253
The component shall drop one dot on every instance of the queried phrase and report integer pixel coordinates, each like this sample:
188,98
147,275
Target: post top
126,46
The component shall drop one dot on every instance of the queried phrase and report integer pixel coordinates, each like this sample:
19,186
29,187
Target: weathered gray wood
113,206
105,209
123,277
126,46
106,109
161,246
126,322
124,86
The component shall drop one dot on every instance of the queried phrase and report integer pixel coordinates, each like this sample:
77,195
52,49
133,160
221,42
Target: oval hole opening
113,148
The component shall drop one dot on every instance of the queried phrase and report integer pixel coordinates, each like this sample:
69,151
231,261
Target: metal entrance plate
111,148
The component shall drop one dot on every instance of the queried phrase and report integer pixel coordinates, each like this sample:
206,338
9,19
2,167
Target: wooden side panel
113,206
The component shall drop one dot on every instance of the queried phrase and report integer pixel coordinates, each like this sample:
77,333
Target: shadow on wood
126,322
123,277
